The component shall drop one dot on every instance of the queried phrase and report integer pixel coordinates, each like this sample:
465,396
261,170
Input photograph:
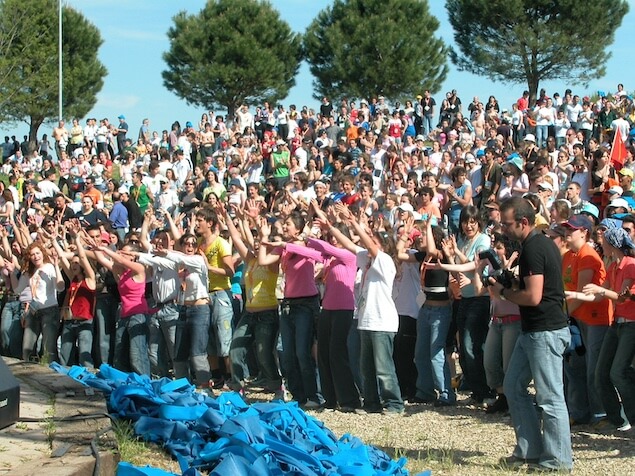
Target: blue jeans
192,334
220,330
433,372
259,329
77,336
105,329
428,124
11,330
379,379
499,345
163,338
583,400
473,323
622,372
541,135
131,344
539,356
46,322
296,329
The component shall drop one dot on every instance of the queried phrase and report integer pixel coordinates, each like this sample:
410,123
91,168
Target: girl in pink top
131,345
299,307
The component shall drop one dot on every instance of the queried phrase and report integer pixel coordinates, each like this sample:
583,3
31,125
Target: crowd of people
376,242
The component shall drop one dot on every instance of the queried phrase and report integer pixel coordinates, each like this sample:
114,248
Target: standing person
192,337
79,305
220,268
42,314
582,265
131,345
538,354
259,322
60,135
122,130
299,308
377,319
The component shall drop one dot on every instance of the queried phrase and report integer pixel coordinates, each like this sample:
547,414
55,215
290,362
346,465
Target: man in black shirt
538,354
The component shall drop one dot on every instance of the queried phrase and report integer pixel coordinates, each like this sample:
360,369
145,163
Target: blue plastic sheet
225,435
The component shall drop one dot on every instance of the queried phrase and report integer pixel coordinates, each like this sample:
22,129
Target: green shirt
281,163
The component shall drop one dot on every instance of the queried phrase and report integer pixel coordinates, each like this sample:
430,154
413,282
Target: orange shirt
599,313
95,195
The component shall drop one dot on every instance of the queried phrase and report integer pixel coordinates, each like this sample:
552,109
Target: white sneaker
624,427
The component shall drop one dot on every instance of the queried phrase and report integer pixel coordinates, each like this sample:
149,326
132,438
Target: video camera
501,275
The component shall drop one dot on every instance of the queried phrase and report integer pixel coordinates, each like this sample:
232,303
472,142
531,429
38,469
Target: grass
131,449
50,426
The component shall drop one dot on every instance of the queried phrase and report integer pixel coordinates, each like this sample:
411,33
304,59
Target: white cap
530,138
406,207
616,189
546,185
619,202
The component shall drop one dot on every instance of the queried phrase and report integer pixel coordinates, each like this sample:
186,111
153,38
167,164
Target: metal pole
59,60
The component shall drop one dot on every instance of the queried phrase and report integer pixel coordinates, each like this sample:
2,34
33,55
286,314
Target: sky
134,34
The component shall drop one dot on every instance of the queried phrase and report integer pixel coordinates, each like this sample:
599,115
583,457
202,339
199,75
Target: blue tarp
225,435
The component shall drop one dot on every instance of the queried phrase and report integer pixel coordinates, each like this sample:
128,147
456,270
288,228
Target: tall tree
360,48
233,51
527,41
29,62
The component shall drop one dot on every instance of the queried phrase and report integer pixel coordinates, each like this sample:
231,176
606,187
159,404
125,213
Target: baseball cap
616,189
546,186
469,159
530,138
555,231
591,210
618,202
626,172
406,207
121,116
578,222
420,137
280,142
105,237
492,206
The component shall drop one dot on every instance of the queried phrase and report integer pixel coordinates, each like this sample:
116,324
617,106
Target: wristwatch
501,295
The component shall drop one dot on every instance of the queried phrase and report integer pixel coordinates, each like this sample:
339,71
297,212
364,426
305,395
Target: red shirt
81,300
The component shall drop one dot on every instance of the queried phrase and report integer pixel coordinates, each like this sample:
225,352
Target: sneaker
625,427
311,405
442,402
393,411
515,462
539,468
499,406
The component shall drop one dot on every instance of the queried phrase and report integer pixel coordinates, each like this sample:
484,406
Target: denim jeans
336,379
541,136
163,338
77,343
499,345
105,329
259,329
192,334
220,330
46,322
428,124
584,402
11,329
433,372
379,379
622,372
604,386
539,356
296,329
131,345
473,322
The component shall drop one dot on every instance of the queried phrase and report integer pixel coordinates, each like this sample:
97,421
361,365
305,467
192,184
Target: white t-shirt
43,285
376,310
406,288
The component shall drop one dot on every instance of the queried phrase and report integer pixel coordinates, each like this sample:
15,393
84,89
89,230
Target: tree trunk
34,126
532,86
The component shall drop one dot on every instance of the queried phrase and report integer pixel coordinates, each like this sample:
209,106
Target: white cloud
121,102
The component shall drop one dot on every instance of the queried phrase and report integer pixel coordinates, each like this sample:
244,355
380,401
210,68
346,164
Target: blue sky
134,33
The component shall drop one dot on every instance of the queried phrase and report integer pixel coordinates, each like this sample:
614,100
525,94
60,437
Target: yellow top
260,287
215,254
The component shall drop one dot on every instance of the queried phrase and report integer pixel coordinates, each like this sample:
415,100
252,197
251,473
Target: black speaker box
9,396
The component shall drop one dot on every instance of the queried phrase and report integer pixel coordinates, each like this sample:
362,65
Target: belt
623,320
198,302
507,319
77,320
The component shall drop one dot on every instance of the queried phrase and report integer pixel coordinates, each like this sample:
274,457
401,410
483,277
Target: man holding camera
538,354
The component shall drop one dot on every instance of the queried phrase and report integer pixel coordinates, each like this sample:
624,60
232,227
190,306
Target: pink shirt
340,270
133,296
299,270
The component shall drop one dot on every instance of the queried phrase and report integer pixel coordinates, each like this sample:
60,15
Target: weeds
130,448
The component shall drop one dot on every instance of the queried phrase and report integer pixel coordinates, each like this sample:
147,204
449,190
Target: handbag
65,311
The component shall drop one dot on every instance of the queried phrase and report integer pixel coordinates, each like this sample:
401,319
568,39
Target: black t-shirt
540,255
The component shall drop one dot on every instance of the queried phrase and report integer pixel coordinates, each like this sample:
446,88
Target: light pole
59,60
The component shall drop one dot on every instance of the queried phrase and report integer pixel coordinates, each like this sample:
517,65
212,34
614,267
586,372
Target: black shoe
499,406
444,403
423,400
515,462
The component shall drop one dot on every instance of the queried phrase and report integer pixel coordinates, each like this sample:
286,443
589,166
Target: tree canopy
360,48
233,51
29,62
527,41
